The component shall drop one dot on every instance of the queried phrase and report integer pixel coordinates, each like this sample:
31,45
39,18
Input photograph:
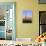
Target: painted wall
27,30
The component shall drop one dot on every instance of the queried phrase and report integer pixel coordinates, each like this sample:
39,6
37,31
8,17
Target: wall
24,30
27,30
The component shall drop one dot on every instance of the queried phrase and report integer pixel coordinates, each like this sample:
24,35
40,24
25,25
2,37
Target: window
7,21
42,22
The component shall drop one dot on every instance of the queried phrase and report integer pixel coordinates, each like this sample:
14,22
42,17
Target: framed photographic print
27,16
42,1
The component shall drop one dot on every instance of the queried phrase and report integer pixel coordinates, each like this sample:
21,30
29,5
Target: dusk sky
27,13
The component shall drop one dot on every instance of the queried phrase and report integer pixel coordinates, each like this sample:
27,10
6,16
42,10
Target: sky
27,13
